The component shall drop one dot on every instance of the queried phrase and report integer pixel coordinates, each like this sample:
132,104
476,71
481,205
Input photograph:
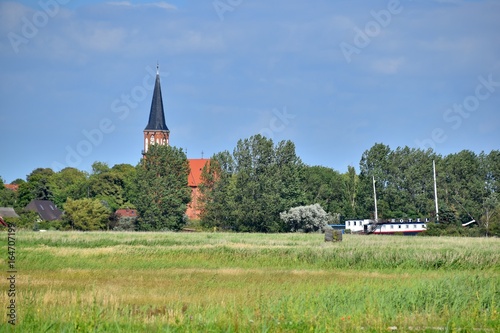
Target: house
7,212
125,219
46,209
196,166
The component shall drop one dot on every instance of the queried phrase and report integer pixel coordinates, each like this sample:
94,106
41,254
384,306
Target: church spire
156,132
156,114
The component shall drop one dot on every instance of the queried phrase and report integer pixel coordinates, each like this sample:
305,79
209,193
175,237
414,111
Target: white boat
392,226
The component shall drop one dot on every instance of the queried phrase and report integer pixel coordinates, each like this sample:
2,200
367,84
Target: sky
334,77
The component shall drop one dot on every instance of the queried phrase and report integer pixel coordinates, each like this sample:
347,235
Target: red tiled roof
13,187
196,165
126,212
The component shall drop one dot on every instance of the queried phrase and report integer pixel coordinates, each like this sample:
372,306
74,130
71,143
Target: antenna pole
435,190
375,199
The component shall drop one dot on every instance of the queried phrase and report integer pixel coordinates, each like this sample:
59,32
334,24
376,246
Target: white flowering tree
306,218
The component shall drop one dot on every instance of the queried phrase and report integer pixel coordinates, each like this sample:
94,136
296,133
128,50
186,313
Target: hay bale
329,235
332,235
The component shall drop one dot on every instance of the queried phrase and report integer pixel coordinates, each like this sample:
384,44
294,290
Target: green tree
324,186
217,188
162,189
7,197
99,167
68,183
375,162
114,186
267,182
108,187
462,185
403,179
494,223
247,190
350,183
491,209
86,214
37,186
128,174
18,181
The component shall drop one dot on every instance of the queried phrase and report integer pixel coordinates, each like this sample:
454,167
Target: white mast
435,190
375,199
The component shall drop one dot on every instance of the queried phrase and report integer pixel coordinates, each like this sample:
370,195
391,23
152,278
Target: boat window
392,227
399,226
407,226
414,226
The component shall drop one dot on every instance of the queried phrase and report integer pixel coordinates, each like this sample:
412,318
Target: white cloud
160,4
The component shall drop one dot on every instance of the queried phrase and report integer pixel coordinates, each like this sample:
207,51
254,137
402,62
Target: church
157,132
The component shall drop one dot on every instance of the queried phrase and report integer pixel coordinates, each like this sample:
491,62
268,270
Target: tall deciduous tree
350,183
162,189
247,191
69,183
462,184
323,186
403,180
128,174
217,188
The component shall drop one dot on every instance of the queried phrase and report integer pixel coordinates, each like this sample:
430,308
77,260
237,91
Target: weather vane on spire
157,68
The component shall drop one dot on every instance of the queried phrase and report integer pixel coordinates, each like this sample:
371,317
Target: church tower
156,132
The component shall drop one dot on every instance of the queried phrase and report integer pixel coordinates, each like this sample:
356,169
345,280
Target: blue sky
335,77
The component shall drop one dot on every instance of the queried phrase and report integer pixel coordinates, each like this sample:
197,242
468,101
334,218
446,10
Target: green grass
226,282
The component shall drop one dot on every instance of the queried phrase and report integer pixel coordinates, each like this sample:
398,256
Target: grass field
224,282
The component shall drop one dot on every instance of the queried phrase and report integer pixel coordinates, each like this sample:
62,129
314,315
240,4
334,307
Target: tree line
246,190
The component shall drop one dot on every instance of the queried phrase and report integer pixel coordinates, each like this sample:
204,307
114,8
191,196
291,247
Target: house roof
156,114
13,187
126,212
47,210
8,212
196,165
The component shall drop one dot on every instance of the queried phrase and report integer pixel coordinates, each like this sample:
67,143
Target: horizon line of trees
246,190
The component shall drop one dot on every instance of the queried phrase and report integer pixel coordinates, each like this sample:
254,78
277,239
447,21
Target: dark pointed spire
156,114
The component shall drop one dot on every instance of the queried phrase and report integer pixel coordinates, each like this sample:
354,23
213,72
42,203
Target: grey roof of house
8,212
47,210
156,114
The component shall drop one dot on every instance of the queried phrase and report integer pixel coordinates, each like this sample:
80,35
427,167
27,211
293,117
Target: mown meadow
228,282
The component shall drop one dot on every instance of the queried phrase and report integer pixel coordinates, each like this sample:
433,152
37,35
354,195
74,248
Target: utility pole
435,190
375,199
